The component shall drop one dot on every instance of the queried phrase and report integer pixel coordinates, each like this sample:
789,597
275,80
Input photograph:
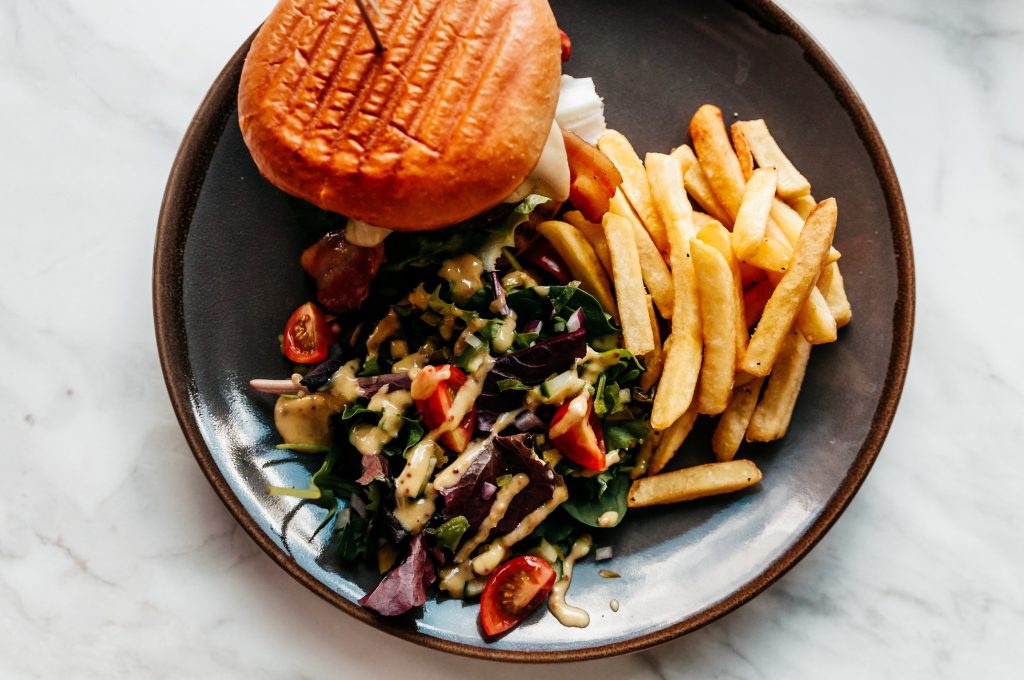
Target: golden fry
655,272
683,351
718,320
655,359
732,426
672,439
773,413
791,293
803,205
717,236
692,483
748,233
579,255
815,321
722,168
634,184
743,154
791,224
768,155
594,233
832,285
629,285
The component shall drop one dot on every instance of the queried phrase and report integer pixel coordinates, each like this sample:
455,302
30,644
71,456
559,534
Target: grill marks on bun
441,126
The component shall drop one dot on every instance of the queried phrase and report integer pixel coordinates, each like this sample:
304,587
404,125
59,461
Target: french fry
815,321
754,300
692,483
775,253
803,205
791,293
594,233
716,236
732,426
629,284
748,232
768,155
643,458
831,284
717,158
655,359
634,184
718,320
791,224
579,255
683,350
684,154
775,410
696,183
655,272
701,218
672,439
742,149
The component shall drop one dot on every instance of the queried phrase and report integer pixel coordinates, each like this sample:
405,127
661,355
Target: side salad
476,423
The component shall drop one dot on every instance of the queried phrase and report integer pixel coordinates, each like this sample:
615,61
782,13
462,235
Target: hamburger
452,120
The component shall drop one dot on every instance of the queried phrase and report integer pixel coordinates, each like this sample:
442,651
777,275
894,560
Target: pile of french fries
715,240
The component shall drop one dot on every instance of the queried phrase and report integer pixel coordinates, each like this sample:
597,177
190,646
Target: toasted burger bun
443,125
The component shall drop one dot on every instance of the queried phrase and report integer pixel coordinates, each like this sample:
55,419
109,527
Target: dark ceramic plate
227,275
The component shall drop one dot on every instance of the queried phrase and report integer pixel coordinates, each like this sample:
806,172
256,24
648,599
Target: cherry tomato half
307,337
514,590
436,408
576,432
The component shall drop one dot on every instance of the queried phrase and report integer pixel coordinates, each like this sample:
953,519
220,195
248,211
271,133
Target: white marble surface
117,559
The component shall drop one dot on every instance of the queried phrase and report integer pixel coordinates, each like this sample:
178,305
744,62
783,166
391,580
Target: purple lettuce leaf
375,467
405,586
502,456
321,374
532,365
374,384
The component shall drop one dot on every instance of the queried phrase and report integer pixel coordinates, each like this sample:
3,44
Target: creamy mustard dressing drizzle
574,415
493,555
411,512
499,507
387,327
306,419
518,279
506,334
607,519
464,273
567,615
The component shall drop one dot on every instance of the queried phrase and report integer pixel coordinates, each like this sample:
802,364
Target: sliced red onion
276,386
499,294
487,490
534,326
603,553
528,420
575,321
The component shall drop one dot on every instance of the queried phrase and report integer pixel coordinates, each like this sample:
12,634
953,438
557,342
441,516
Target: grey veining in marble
117,559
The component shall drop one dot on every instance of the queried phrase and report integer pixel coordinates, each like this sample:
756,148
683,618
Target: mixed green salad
475,419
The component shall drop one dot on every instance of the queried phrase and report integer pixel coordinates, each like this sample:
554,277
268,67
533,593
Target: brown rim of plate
183,186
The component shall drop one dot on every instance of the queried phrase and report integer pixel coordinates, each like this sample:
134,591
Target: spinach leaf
564,300
624,434
613,499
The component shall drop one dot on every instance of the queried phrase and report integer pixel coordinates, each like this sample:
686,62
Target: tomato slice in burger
513,591
593,177
576,432
307,337
434,391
